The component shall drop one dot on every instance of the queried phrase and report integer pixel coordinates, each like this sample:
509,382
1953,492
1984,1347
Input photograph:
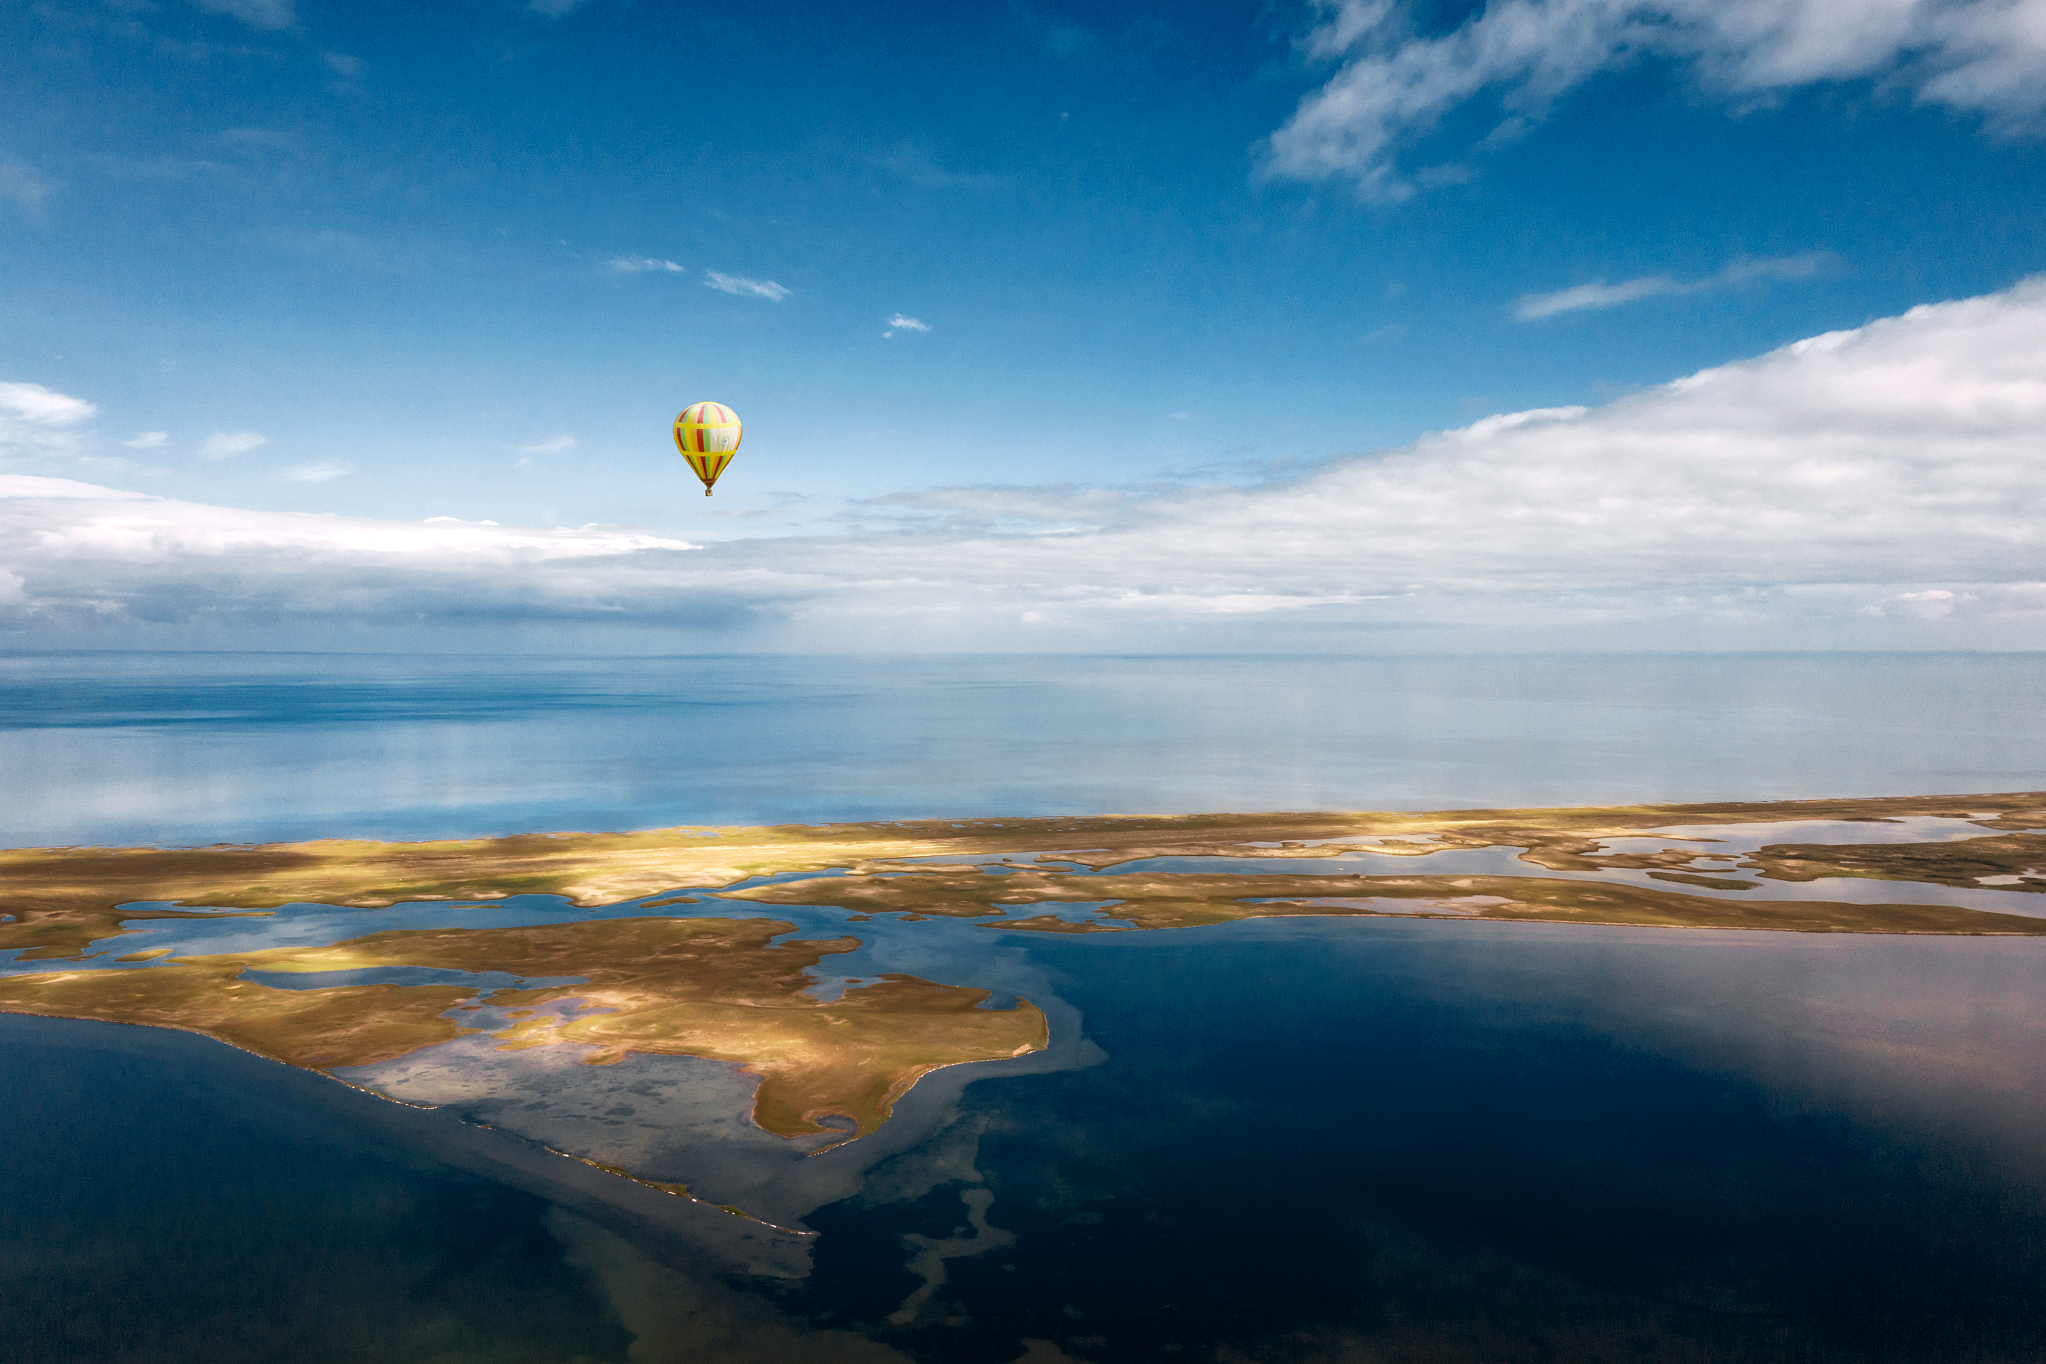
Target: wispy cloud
22,184
1583,297
639,265
746,288
551,445
318,473
1058,39
1394,88
352,250
914,165
225,444
555,9
341,64
263,14
147,440
899,323
1834,488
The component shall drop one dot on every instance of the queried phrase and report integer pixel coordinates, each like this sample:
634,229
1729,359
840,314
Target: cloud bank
1867,487
1984,57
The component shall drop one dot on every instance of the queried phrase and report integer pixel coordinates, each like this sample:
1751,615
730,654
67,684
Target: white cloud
639,265
318,473
1602,295
1586,296
1980,56
30,486
224,444
147,440
550,446
899,323
555,9
1828,492
341,64
749,288
36,422
42,406
124,561
263,14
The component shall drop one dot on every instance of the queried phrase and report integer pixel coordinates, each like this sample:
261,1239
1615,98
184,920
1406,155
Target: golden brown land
1191,899
717,988
61,899
695,987
2018,859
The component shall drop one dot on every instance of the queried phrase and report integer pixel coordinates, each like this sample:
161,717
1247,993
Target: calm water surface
1271,1141
113,748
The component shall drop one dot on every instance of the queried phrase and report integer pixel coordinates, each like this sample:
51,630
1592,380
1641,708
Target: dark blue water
164,1198
1303,1139
1312,1142
1308,1140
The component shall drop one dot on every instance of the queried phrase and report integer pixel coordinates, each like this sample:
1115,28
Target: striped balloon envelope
707,434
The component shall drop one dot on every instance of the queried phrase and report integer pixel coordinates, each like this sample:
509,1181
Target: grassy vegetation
1960,863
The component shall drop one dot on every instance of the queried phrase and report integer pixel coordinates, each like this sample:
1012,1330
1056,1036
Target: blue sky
468,260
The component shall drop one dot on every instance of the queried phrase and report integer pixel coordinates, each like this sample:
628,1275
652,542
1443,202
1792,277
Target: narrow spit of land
722,988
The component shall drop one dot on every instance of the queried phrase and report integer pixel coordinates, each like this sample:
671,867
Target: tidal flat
1299,1137
832,1051
787,1022
60,900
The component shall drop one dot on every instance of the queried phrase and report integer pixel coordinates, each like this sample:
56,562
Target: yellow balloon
708,434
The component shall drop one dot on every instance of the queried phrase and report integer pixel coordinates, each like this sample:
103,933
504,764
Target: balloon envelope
707,434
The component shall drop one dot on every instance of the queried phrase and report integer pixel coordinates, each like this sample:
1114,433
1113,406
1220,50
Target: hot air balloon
707,434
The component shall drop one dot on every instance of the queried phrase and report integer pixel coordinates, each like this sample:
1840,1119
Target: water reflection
200,748
1279,1140
1323,1139
1380,1140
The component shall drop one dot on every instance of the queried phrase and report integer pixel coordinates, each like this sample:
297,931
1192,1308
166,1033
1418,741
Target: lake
1278,1140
